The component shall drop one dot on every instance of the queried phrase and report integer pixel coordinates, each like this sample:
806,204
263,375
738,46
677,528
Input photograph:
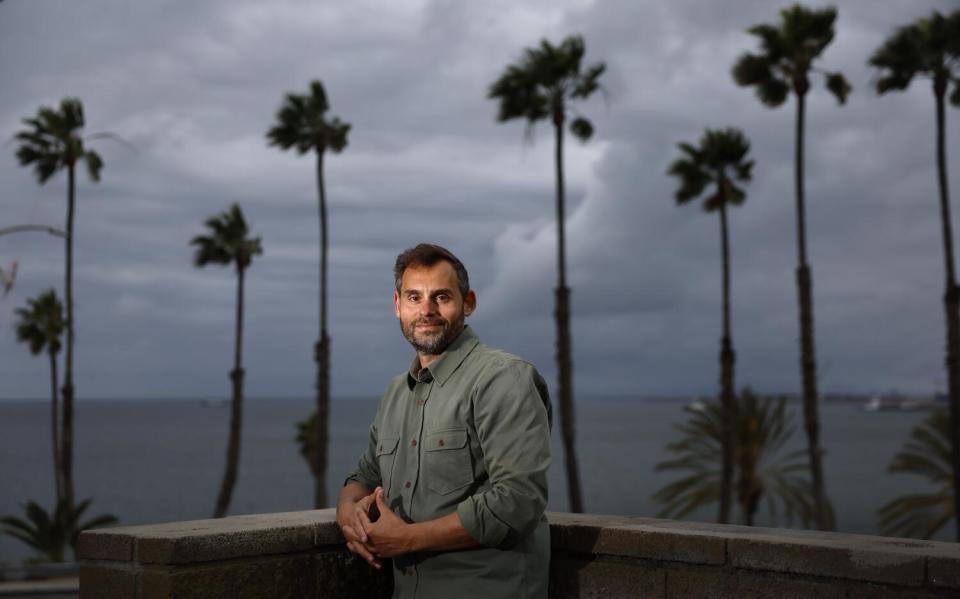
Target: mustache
431,321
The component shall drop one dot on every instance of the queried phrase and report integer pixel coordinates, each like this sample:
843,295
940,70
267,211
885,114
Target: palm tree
928,454
785,63
51,534
302,123
540,86
763,472
41,326
52,143
228,244
306,440
720,158
923,49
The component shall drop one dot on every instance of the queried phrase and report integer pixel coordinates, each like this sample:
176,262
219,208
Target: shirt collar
448,362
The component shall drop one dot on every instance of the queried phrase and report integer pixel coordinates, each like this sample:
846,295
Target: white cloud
194,87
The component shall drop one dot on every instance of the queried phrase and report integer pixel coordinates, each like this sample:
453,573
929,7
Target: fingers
349,533
361,550
361,528
364,520
381,503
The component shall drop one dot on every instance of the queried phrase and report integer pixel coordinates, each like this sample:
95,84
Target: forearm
442,534
352,492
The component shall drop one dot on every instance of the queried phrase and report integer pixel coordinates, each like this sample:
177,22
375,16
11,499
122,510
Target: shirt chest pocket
448,466
386,455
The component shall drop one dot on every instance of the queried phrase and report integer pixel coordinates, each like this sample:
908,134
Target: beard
435,342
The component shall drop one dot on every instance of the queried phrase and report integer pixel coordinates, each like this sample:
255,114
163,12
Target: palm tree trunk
951,299
236,410
322,355
66,460
55,427
808,360
564,345
727,393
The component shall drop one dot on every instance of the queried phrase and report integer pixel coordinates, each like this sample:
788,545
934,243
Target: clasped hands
374,538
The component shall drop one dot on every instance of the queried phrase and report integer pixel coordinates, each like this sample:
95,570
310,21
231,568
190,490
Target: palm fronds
764,474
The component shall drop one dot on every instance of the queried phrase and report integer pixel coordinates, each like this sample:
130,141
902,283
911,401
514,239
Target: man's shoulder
491,359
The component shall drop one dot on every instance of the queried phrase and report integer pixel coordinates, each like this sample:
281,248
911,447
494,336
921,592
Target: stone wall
301,555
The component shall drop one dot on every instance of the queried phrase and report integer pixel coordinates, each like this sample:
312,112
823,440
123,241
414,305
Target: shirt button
407,485
414,442
440,442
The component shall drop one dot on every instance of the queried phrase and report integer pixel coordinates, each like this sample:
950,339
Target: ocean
150,461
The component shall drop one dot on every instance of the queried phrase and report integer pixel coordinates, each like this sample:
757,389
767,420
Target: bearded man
453,483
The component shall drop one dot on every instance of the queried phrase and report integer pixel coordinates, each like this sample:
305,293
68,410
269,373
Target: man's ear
396,304
469,303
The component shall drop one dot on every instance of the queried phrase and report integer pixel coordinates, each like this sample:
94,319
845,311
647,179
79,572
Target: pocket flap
387,445
454,438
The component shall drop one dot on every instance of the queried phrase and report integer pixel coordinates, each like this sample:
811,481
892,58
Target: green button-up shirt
470,433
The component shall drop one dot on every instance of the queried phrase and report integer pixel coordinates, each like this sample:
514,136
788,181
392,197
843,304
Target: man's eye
442,297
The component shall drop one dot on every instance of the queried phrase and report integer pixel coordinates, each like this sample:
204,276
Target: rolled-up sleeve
512,418
367,472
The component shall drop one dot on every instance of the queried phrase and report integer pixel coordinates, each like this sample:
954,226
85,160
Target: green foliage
787,53
307,440
838,86
301,123
926,454
581,128
544,80
228,242
41,323
53,141
928,46
763,473
720,158
51,534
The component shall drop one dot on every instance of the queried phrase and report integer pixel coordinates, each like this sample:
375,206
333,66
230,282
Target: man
453,483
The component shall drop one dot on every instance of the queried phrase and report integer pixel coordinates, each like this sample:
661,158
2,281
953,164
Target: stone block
827,555
943,566
101,581
572,578
636,537
156,583
724,583
342,575
328,534
225,538
260,578
866,590
105,544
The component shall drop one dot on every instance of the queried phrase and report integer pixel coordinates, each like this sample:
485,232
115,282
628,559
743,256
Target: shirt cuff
481,523
356,478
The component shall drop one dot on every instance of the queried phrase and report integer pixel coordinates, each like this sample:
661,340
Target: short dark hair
428,254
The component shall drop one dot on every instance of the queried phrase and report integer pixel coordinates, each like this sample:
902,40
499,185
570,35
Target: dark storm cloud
193,87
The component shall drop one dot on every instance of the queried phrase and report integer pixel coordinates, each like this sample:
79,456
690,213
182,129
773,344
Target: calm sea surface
156,461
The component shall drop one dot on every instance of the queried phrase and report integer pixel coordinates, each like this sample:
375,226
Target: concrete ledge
210,540
301,554
40,588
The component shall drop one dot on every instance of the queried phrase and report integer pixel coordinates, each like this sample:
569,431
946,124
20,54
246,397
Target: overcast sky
193,86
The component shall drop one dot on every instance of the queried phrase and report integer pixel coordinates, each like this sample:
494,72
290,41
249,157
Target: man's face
431,308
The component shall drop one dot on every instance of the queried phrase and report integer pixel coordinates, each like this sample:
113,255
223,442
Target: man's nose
428,306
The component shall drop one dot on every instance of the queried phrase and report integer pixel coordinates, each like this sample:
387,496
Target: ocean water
149,461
